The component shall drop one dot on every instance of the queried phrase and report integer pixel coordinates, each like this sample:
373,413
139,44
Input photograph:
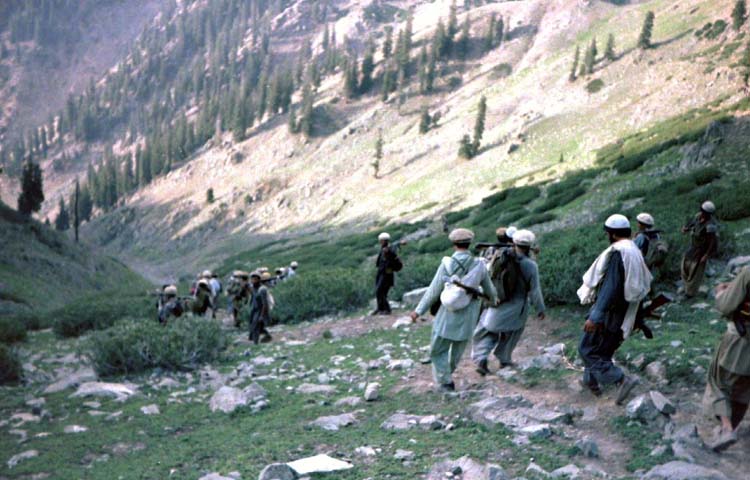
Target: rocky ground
353,388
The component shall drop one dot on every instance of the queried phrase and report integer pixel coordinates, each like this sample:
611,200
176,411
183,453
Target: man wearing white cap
500,327
616,284
704,241
386,265
292,270
452,328
649,241
171,307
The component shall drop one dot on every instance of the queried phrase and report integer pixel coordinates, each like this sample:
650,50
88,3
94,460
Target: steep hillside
41,269
539,125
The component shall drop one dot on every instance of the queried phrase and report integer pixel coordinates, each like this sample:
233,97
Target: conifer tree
62,220
291,124
462,45
644,39
368,66
389,83
440,42
489,36
378,155
210,195
424,120
32,189
609,51
574,70
85,204
590,58
351,75
464,147
306,120
388,43
479,125
739,14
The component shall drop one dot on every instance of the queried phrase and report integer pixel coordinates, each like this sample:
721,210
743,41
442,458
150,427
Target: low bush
434,244
595,86
12,330
11,370
565,256
629,164
705,175
732,202
138,345
98,312
560,199
537,218
417,273
323,292
454,217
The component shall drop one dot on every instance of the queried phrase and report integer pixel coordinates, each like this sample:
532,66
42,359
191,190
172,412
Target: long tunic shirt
459,325
703,238
610,306
644,238
734,351
511,315
385,276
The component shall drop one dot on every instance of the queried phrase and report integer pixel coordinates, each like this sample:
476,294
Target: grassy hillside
41,269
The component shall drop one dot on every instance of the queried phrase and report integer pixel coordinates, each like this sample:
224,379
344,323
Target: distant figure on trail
516,278
387,264
704,242
258,310
504,240
292,270
216,289
649,242
728,389
170,307
616,284
240,292
202,298
459,310
280,274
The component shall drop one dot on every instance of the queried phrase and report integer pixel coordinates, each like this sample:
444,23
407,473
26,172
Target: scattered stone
515,412
118,391
541,430
71,380
365,451
278,471
568,471
413,297
402,322
678,470
216,476
402,421
657,371
317,464
405,364
546,361
642,408
348,402
372,392
36,402
737,262
16,459
23,418
535,469
464,468
588,447
309,388
662,403
496,472
403,455
334,422
168,383
75,429
658,451
93,405
21,433
152,409
228,399
675,343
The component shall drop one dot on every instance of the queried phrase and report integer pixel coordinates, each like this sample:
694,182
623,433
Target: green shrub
455,217
137,345
560,199
732,202
705,175
434,244
11,370
595,86
100,311
418,272
12,330
565,256
629,164
536,218
323,292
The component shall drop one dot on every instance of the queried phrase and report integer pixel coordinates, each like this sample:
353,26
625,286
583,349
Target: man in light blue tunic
500,327
452,329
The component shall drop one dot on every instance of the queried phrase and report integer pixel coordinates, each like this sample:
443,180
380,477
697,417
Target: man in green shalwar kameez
452,330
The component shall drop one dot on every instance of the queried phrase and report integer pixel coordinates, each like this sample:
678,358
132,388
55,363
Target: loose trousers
501,344
597,350
727,394
445,355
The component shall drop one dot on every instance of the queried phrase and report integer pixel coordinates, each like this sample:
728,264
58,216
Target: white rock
403,455
318,464
152,409
372,392
309,388
568,471
118,391
404,364
556,349
228,399
675,343
278,471
412,298
334,422
662,403
216,476
72,380
536,470
365,451
642,408
402,322
677,470
536,431
656,371
16,459
348,402
75,429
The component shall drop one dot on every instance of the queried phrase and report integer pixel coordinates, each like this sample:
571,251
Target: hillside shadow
408,162
672,39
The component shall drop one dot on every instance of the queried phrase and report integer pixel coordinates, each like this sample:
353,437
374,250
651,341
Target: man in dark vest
386,266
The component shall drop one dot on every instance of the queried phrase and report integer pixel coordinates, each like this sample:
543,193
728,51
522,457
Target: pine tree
389,83
388,43
368,66
378,155
644,39
85,204
62,221
574,70
351,75
440,42
609,51
452,29
499,31
424,120
489,36
306,120
590,58
462,45
210,195
464,149
739,14
479,125
32,189
291,124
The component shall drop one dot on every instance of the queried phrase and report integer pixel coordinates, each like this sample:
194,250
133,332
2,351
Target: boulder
737,263
334,422
16,459
657,372
404,364
310,388
642,408
662,403
514,412
545,361
278,471
118,391
318,464
74,429
678,470
72,380
372,392
403,421
402,322
568,471
403,455
365,451
228,399
541,430
588,447
152,409
348,402
464,468
413,297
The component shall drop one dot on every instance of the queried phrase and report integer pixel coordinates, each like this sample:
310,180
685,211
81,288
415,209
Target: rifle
741,315
649,312
485,245
472,291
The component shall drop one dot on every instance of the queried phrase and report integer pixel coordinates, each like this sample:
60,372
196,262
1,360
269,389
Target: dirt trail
614,450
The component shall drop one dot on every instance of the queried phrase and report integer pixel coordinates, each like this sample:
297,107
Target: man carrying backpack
458,314
704,241
728,390
387,264
649,242
516,278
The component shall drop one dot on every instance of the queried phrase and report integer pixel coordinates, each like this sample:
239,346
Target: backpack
394,263
658,249
456,298
505,272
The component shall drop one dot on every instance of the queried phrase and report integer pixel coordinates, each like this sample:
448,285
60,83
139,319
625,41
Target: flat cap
461,235
524,238
708,207
170,290
617,222
645,218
